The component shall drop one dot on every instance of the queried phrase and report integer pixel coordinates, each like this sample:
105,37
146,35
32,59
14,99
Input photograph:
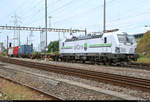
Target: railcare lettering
78,47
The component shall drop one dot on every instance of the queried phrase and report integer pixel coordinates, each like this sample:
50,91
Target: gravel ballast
123,91
59,88
138,73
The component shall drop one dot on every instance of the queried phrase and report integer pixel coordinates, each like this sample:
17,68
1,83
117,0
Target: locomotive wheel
104,62
110,62
107,62
83,62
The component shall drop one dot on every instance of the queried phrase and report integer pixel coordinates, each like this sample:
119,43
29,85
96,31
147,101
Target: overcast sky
128,15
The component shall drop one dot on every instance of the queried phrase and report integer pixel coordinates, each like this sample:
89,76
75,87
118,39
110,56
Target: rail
119,80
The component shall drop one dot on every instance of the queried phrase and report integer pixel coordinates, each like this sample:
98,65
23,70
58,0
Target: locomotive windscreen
126,39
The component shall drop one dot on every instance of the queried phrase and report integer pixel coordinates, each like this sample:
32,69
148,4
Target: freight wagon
20,51
15,50
25,49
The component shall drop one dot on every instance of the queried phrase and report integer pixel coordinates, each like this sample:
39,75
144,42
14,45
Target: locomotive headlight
131,56
117,50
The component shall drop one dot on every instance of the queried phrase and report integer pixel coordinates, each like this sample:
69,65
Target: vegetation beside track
53,47
143,59
143,46
13,91
4,53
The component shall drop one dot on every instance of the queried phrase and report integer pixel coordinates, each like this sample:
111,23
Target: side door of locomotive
108,41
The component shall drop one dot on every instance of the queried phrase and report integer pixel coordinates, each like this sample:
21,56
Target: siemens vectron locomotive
109,48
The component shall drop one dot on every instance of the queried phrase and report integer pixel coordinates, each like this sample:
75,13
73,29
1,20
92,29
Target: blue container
25,49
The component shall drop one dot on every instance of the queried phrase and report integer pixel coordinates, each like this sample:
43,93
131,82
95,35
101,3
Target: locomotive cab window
105,40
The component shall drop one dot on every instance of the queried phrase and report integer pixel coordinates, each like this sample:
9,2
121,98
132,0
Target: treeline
53,47
143,46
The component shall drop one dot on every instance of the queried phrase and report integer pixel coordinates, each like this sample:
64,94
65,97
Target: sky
127,15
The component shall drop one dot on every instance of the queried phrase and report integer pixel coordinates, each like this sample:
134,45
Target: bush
53,47
4,53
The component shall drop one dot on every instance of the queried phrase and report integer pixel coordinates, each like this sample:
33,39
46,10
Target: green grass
14,97
13,91
144,59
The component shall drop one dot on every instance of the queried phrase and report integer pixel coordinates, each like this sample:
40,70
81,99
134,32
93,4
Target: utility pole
7,44
50,24
46,22
63,34
104,16
85,31
59,35
27,41
19,37
31,37
0,37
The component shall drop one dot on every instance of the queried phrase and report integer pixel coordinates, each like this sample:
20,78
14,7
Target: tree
143,46
53,47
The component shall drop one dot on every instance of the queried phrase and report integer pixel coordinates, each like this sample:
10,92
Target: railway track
145,66
33,88
133,65
119,80
53,97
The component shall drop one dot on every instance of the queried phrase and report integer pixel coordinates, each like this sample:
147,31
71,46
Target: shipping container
10,51
25,49
15,50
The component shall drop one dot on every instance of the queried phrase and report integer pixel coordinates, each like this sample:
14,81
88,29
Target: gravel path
125,91
115,70
58,88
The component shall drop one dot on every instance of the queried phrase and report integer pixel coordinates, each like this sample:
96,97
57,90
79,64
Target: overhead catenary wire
64,5
18,8
72,6
84,12
29,17
38,13
34,10
121,19
36,20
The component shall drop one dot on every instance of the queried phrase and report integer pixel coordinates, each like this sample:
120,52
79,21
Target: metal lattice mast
16,34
